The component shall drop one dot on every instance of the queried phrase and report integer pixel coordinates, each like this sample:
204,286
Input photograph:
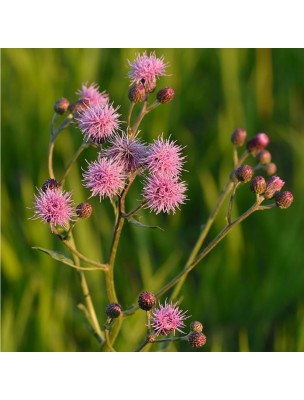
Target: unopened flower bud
270,168
263,157
84,210
197,339
146,301
283,199
61,106
137,93
238,137
113,310
244,173
165,95
258,185
257,143
50,184
149,85
273,185
78,107
196,326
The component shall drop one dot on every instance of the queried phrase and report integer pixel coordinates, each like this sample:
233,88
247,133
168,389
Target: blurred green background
249,292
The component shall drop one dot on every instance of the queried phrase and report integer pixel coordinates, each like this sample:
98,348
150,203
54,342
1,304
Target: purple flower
164,157
164,193
54,207
104,177
98,122
146,68
91,95
128,152
168,318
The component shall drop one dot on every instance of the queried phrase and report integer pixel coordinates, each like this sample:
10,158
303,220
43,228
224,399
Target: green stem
87,296
108,341
76,253
54,133
235,185
129,117
222,197
70,165
203,253
174,339
134,211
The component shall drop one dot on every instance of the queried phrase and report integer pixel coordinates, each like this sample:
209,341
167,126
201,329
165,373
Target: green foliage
248,293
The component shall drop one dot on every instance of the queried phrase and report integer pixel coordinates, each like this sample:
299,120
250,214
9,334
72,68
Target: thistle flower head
164,193
258,185
283,199
50,184
91,95
146,301
165,95
197,339
98,122
61,106
270,168
53,206
264,157
84,210
196,326
273,185
244,173
168,318
238,137
104,177
257,143
113,310
127,152
147,69
164,157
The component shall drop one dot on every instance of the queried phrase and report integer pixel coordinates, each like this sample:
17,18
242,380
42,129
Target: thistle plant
123,156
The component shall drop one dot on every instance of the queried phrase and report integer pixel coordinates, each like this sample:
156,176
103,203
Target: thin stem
139,119
76,253
87,296
227,188
129,117
54,133
70,165
134,211
235,156
144,111
203,253
174,339
235,185
108,341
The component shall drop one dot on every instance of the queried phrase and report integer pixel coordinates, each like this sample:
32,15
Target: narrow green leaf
56,255
140,225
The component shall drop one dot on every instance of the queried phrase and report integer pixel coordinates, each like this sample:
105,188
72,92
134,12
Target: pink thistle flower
168,318
91,95
164,157
104,177
164,193
147,69
54,207
128,152
98,122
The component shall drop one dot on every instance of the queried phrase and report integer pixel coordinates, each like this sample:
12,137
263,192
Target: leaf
62,258
140,225
57,256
